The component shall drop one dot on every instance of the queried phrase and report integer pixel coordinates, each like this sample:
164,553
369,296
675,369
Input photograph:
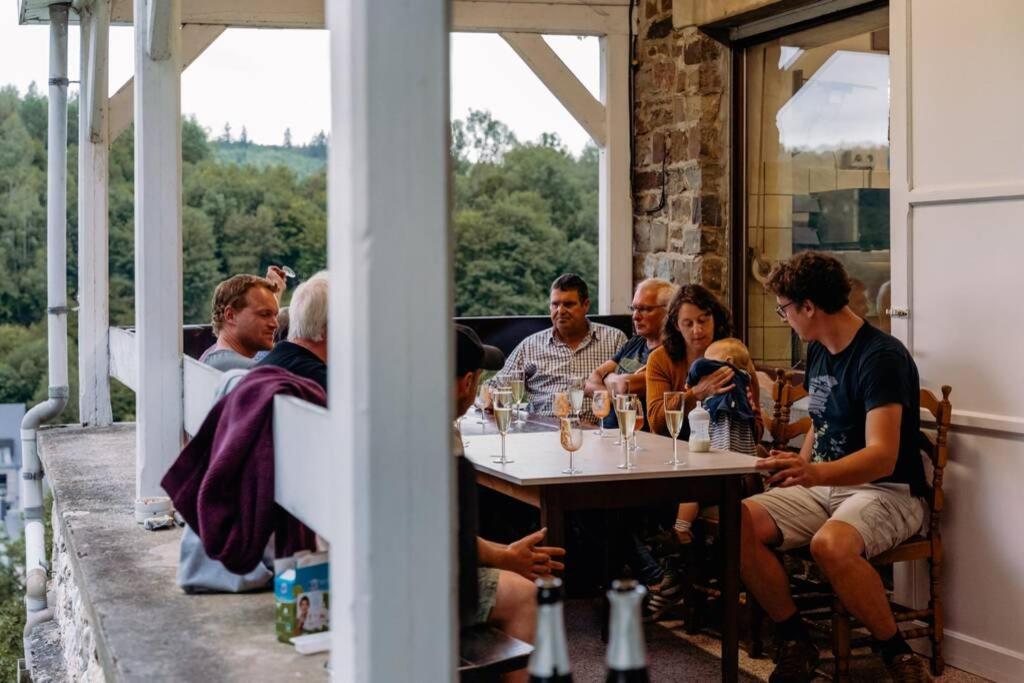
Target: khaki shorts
885,515
487,587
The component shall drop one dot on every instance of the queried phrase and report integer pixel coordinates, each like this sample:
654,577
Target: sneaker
909,669
795,662
664,596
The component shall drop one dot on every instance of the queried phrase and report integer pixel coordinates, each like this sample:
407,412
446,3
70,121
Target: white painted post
158,288
615,213
392,561
93,298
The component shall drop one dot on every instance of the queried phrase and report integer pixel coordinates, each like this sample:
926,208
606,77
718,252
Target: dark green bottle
549,662
626,658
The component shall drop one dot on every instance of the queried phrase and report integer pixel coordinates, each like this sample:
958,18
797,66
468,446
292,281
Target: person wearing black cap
495,580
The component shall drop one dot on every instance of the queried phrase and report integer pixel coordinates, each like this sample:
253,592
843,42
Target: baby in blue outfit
732,416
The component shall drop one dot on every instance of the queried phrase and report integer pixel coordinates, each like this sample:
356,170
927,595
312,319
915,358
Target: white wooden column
158,288
615,211
93,149
392,561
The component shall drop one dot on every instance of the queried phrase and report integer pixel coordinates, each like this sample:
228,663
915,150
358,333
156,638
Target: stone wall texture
81,660
681,153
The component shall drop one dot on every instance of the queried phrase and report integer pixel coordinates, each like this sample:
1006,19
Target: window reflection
817,166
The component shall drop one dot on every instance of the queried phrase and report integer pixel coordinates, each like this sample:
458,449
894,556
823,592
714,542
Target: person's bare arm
596,380
631,383
876,460
524,557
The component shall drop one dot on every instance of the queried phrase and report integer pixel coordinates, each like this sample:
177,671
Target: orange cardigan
663,374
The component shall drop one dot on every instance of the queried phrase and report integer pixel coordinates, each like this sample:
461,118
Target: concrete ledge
118,608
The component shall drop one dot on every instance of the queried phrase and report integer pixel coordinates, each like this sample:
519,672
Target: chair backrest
936,449
784,394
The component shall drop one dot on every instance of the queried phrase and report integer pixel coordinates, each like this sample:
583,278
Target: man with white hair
626,371
305,352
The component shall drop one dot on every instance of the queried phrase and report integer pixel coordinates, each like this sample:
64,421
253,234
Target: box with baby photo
301,584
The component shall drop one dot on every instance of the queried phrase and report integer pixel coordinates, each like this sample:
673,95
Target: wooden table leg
552,516
729,515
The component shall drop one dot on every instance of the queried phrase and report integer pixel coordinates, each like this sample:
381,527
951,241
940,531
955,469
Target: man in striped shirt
572,348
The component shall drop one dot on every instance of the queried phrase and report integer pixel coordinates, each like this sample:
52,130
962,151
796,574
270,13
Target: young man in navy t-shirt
855,489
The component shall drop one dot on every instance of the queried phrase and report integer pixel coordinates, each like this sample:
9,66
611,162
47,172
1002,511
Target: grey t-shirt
226,359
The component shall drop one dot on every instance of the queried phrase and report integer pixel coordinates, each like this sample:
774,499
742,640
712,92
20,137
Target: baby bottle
700,423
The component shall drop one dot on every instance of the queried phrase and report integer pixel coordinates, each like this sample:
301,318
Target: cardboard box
301,592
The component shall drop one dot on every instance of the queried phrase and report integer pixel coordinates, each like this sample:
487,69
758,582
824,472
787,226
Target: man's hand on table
789,469
526,558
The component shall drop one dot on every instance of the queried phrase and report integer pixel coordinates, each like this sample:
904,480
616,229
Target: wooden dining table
535,477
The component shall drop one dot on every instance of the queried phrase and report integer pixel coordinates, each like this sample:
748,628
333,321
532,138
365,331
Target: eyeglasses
644,309
781,310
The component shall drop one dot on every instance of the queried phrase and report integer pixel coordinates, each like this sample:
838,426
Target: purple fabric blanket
223,481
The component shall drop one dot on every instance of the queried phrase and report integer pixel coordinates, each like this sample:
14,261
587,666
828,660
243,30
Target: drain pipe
56,310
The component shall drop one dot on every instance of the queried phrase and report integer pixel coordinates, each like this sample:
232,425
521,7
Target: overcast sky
269,80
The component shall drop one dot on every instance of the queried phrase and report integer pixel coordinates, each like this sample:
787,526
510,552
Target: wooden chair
784,394
924,546
485,654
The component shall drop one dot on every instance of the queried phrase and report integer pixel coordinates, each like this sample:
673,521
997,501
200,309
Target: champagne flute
518,386
639,423
625,411
618,399
674,421
502,418
482,400
560,404
571,433
601,405
576,394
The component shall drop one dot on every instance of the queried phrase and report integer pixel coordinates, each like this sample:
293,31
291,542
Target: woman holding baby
696,326
695,319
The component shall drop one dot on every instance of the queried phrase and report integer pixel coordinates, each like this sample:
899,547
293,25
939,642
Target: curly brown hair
232,292
702,298
812,276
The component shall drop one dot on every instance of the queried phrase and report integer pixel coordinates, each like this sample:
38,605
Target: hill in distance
303,160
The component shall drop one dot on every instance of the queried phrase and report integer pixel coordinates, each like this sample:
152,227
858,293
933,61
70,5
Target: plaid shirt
556,364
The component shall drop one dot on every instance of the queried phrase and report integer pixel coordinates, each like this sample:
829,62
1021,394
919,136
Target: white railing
124,357
200,389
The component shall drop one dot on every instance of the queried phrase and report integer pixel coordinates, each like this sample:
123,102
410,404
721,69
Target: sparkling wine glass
674,421
616,401
571,433
561,406
518,386
625,411
576,385
639,423
602,406
482,400
502,418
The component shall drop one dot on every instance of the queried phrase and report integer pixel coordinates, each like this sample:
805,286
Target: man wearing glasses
626,371
856,488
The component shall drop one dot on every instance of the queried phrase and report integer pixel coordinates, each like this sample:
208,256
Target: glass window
6,452
817,167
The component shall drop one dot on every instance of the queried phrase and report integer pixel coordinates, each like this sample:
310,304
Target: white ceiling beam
194,40
532,17
570,17
562,82
158,29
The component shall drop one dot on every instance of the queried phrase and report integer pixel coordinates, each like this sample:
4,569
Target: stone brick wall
681,114
81,660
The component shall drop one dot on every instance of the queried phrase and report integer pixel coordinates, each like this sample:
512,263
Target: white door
957,211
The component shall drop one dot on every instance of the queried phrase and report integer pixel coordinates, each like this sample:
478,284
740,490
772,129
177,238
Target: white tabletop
539,459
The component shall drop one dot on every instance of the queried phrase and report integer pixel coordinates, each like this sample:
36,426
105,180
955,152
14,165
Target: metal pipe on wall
56,318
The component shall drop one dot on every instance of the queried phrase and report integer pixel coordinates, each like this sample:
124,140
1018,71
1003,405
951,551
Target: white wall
957,210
